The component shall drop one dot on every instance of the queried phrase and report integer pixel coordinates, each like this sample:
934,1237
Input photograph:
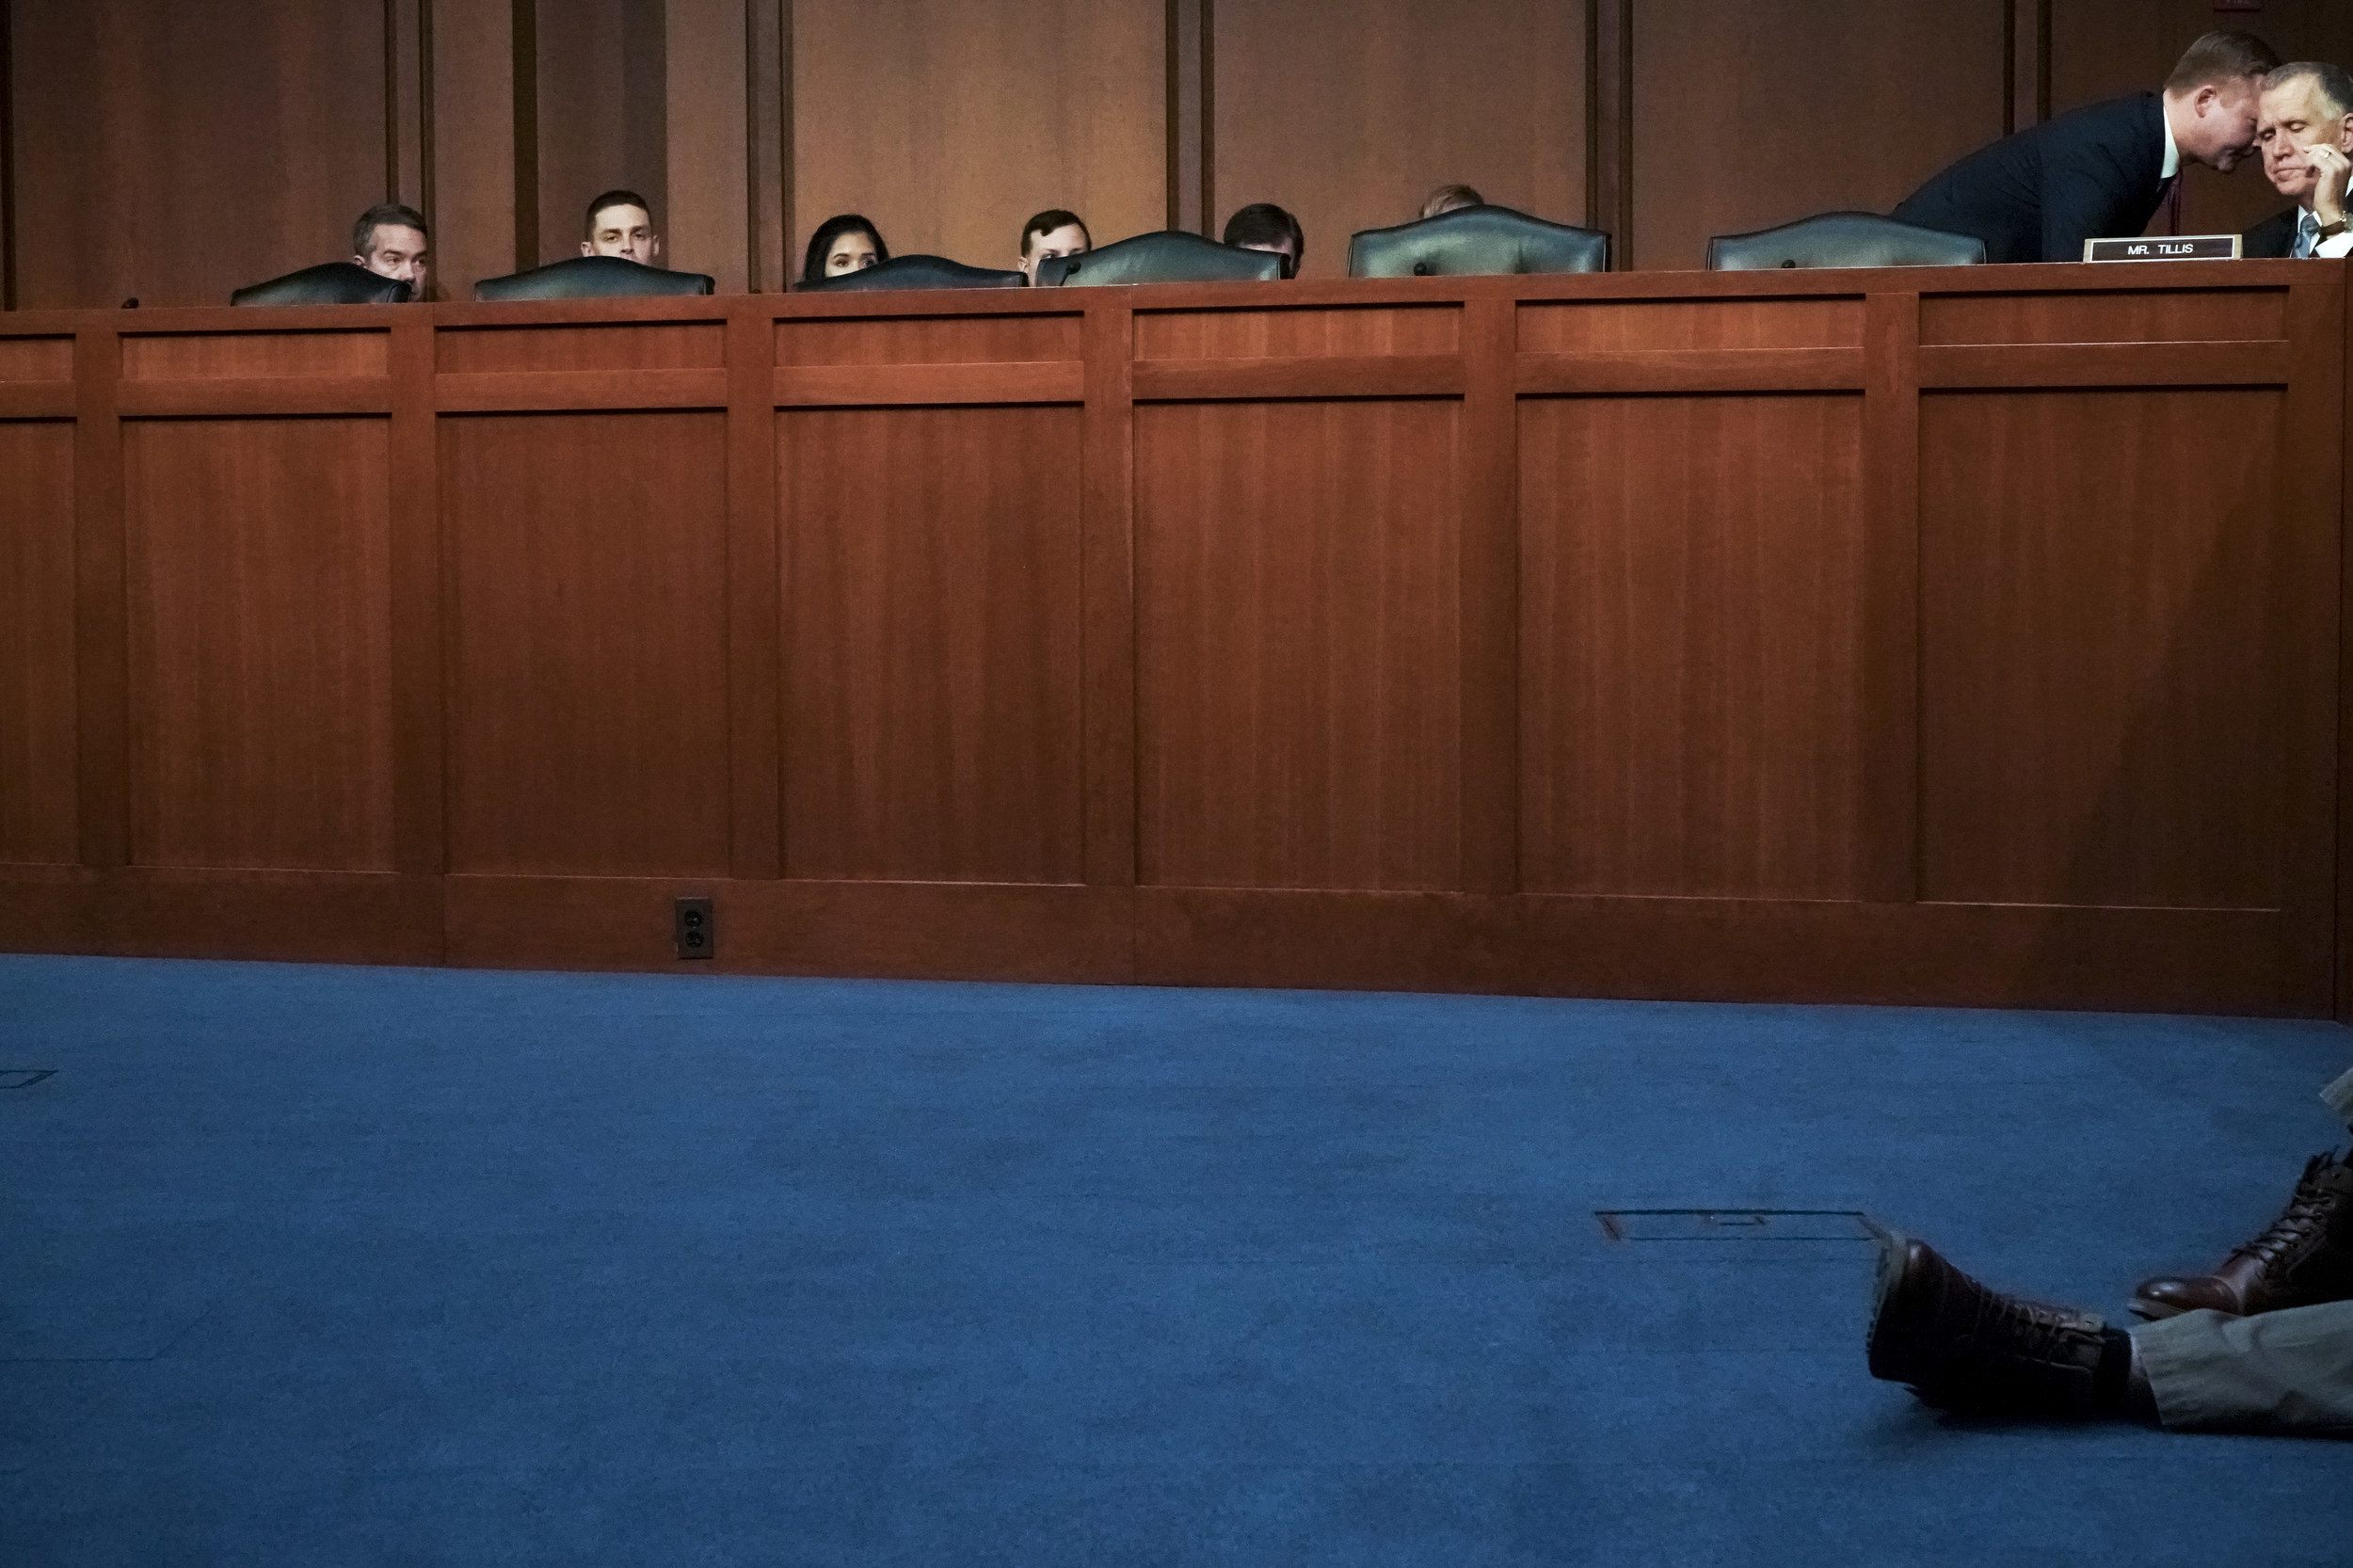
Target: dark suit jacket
2038,194
2274,236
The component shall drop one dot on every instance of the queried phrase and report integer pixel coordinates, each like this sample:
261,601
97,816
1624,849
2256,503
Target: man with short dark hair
2304,128
2101,171
1055,232
620,223
1264,226
390,241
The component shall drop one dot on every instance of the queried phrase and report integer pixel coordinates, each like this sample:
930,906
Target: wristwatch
2331,230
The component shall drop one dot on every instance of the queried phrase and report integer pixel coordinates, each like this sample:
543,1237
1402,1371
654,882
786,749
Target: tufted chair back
332,283
916,272
1475,242
1168,256
1843,239
592,277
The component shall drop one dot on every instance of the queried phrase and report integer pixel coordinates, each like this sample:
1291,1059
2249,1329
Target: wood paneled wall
172,153
1951,636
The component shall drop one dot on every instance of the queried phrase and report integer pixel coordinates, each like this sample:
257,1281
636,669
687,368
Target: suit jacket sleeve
2274,236
2085,196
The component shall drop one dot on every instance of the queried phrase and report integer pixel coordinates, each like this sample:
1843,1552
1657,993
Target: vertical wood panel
101,637
1751,113
949,123
768,153
2101,695
419,628
7,159
1609,124
260,643
1691,663
404,113
474,145
1299,708
1890,822
2341,907
37,751
1108,584
755,630
603,92
1490,591
175,152
1347,116
931,686
589,725
708,222
523,87
2304,584
1188,81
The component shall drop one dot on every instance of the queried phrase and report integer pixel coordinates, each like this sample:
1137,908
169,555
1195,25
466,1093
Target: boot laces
2305,1216
2035,1330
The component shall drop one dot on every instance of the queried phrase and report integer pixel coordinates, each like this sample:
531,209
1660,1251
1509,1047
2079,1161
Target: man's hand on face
2332,167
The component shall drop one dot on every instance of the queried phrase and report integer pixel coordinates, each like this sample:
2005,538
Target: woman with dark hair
843,243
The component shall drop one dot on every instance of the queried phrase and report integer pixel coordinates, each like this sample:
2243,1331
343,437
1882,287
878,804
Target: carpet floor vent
1734,1225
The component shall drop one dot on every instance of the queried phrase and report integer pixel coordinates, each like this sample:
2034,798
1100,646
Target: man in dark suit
2101,170
2305,130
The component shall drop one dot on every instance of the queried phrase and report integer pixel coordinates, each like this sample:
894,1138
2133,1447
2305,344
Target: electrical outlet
695,928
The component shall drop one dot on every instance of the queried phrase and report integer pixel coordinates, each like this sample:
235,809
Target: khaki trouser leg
2276,1371
2288,1371
2339,1096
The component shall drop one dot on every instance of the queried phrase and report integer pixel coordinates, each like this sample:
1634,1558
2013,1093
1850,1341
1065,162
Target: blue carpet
324,1266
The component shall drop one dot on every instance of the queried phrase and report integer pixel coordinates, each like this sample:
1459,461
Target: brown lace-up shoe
2305,1258
1973,1351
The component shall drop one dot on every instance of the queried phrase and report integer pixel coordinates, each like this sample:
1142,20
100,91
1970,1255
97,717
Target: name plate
2175,248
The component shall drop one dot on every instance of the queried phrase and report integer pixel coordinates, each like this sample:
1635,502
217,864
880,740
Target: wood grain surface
260,643
931,687
1963,636
175,152
589,733
1691,646
947,125
1841,104
37,676
2100,661
1298,711
1348,118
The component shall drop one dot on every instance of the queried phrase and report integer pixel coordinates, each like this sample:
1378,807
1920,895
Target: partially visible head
2304,102
389,240
2210,98
1053,233
620,223
1264,226
843,243
1447,198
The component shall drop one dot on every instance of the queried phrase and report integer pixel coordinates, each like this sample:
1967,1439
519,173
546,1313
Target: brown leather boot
2305,1258
1966,1349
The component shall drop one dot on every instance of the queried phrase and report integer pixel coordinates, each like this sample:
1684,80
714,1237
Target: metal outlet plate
695,929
